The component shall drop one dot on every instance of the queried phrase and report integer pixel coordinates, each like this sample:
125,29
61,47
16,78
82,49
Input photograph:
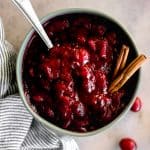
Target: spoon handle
26,8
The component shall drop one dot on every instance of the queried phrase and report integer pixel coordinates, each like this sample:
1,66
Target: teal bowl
19,67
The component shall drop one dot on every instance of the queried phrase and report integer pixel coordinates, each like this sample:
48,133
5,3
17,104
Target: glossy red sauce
68,85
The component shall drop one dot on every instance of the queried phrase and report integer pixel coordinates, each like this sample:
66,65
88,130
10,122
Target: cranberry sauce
68,85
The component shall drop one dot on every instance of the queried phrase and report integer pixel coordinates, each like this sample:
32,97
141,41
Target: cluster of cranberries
68,85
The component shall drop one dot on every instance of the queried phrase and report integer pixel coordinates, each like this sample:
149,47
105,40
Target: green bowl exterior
51,126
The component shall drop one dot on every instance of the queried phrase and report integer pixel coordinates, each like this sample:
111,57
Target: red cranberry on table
136,105
128,144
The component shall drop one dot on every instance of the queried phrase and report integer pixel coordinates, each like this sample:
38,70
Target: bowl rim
19,62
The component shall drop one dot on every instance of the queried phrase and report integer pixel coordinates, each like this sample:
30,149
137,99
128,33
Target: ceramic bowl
19,67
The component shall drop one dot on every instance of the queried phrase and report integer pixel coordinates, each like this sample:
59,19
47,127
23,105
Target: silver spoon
26,8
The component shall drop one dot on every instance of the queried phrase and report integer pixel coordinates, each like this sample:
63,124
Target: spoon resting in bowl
26,8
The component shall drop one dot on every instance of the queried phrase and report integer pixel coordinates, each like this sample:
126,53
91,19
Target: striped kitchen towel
18,130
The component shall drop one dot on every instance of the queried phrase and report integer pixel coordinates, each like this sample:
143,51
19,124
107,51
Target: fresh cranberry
137,105
128,144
